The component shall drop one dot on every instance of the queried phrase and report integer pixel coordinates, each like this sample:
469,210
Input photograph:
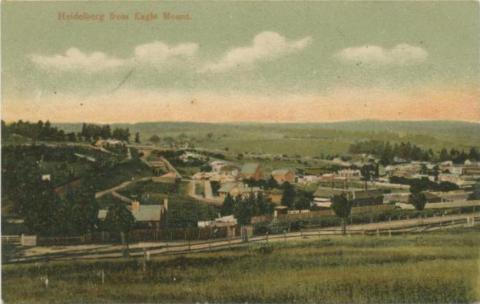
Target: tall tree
444,155
436,172
303,200
84,208
155,139
418,200
475,195
288,197
474,154
342,207
263,207
272,183
41,206
243,211
228,205
366,172
120,220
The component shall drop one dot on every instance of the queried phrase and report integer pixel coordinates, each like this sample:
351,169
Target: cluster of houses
463,175
232,177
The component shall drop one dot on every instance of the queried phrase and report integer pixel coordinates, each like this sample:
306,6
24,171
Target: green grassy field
439,267
308,139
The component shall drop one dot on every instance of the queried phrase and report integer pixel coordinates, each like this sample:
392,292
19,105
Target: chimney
135,206
165,204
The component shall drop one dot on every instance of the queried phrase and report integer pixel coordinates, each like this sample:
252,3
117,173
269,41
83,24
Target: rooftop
281,171
250,168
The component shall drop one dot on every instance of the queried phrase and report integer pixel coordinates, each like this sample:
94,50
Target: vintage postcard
240,151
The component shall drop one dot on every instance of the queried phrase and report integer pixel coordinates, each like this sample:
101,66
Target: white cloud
76,60
159,52
265,46
154,54
401,54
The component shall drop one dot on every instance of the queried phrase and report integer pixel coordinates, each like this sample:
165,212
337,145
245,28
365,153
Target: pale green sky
237,48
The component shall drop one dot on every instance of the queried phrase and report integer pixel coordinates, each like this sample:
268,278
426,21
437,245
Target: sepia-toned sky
241,61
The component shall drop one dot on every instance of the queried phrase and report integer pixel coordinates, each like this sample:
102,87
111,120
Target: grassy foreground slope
439,267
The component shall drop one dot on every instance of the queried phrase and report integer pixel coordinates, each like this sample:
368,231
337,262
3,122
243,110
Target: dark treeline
36,131
243,208
46,132
93,132
423,184
52,189
38,202
410,152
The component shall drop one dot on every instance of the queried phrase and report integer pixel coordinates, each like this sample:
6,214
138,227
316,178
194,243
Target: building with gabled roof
252,171
283,175
237,189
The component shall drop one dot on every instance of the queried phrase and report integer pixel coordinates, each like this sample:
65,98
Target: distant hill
307,138
416,127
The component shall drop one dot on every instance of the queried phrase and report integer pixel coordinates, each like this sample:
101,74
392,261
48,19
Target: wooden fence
322,213
188,246
138,235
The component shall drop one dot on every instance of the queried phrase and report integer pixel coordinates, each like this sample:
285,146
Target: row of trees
75,212
410,152
36,131
424,184
458,156
49,214
243,208
94,132
46,132
294,199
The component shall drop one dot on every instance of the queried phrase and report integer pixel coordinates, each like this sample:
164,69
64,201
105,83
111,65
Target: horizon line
251,122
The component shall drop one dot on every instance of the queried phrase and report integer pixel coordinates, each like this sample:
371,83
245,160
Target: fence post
144,262
45,281
266,237
378,232
285,235
389,232
102,274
